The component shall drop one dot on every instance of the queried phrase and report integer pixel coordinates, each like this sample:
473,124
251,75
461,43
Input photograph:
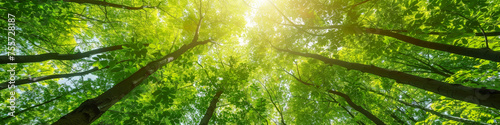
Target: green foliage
241,61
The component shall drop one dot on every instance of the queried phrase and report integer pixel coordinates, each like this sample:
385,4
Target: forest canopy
106,62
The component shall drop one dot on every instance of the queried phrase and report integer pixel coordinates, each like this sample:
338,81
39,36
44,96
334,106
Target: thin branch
275,106
358,108
293,24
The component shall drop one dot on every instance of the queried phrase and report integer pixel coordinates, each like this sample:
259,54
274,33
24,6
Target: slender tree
480,96
92,109
349,101
210,111
483,53
467,121
274,104
348,112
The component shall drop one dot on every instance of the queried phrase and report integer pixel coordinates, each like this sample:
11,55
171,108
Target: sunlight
255,5
259,3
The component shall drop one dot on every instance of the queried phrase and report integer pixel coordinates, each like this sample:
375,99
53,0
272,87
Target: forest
258,62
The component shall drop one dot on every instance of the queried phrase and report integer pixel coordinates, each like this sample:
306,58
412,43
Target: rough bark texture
467,121
92,109
211,108
349,101
57,56
104,3
484,53
480,96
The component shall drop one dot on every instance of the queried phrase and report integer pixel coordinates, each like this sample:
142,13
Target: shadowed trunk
480,96
353,105
211,108
92,109
57,56
348,112
471,122
483,53
401,122
431,33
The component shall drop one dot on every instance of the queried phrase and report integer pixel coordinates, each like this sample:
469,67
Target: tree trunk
358,108
92,109
104,3
348,112
480,96
458,119
353,105
57,56
401,122
211,108
483,53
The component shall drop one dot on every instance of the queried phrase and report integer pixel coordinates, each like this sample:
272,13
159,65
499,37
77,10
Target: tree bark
356,107
397,31
480,96
483,53
401,122
449,117
348,112
92,109
104,3
57,56
211,108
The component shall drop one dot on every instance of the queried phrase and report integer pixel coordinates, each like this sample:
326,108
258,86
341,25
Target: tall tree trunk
471,122
480,96
57,56
104,3
401,122
483,53
356,107
397,31
211,108
92,109
348,112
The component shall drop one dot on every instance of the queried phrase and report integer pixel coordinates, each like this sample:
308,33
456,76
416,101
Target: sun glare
255,5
